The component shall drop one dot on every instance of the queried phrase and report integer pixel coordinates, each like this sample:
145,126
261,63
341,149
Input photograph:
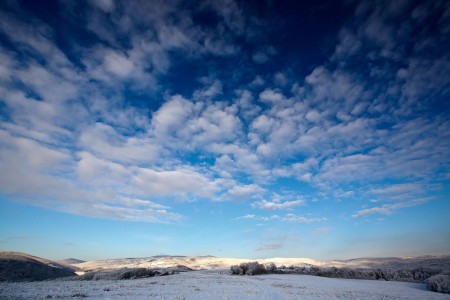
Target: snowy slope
220,285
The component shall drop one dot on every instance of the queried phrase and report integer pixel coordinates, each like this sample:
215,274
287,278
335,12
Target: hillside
16,266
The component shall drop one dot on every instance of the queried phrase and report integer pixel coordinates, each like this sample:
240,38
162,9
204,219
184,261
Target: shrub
236,270
255,268
119,274
439,283
271,268
313,270
137,273
250,268
86,276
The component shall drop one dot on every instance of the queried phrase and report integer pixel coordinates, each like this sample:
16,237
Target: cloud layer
100,123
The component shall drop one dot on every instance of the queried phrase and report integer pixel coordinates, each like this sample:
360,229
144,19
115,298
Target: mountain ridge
18,266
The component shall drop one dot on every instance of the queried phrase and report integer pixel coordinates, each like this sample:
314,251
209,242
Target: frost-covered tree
439,283
271,268
250,268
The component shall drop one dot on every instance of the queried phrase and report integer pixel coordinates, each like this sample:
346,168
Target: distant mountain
211,262
397,263
16,266
168,256
70,261
192,262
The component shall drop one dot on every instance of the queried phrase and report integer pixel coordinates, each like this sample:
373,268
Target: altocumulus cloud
138,110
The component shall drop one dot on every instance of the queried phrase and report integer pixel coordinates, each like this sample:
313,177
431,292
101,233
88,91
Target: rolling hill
16,266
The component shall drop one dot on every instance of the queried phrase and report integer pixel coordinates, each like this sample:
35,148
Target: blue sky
256,129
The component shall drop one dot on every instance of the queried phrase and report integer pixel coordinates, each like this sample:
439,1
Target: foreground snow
220,285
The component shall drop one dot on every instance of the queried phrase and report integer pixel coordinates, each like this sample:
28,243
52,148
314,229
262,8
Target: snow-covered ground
217,284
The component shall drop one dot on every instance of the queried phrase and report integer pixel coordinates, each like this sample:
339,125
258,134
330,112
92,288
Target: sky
246,129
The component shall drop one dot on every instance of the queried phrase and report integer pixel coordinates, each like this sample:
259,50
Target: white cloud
244,192
131,202
398,189
35,35
106,5
130,214
246,217
107,142
31,173
269,218
298,219
257,81
34,176
171,117
40,120
27,164
258,218
271,96
182,123
276,204
91,169
29,153
350,168
245,160
260,57
263,55
210,92
179,182
263,124
40,78
118,64
6,66
388,209
271,246
215,124
280,79
313,116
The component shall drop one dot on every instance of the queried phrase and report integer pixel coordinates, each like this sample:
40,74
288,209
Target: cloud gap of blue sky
289,129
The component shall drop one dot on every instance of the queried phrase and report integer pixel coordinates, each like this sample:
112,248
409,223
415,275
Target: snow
216,284
209,262
193,262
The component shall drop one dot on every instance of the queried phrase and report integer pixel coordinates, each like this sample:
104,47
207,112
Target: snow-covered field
215,284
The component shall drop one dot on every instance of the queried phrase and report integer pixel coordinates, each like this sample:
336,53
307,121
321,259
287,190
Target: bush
87,276
313,270
250,268
439,283
255,268
236,270
120,274
137,273
271,268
